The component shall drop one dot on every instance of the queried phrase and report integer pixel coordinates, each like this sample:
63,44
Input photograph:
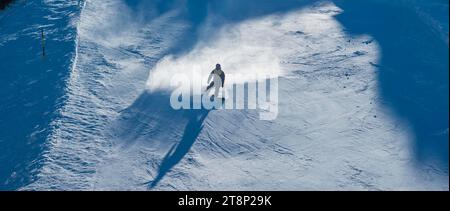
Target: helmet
218,66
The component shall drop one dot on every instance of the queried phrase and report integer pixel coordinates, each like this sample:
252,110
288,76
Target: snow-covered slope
333,130
32,86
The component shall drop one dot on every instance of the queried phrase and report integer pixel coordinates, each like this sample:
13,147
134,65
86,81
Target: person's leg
223,80
218,84
216,91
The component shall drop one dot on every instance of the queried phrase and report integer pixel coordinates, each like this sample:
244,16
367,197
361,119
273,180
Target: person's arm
210,76
209,79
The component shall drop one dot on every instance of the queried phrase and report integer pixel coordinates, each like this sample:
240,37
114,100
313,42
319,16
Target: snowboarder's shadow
151,121
180,149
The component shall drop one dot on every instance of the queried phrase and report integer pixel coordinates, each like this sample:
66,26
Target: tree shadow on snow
218,12
413,70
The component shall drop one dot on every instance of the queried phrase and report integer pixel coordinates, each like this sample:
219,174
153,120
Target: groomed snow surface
117,131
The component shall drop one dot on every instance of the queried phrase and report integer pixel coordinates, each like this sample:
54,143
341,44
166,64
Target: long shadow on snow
179,150
151,119
413,70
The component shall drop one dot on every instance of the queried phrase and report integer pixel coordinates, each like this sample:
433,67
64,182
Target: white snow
331,133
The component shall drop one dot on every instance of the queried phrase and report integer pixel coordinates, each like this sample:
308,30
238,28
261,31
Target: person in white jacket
218,80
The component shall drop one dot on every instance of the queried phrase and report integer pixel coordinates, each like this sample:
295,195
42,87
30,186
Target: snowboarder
218,80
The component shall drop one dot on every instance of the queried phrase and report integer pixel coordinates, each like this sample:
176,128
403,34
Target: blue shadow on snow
413,70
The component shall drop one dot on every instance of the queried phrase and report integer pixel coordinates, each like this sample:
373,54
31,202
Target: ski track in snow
332,132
